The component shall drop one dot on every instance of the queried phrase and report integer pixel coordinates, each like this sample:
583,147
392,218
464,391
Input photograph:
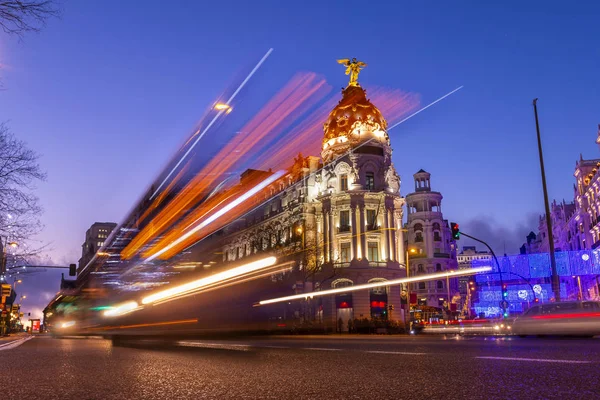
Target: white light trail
221,112
221,212
426,107
121,309
210,280
421,278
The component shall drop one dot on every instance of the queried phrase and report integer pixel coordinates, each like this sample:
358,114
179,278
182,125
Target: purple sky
108,92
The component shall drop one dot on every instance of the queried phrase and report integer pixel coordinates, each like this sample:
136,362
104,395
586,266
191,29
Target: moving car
580,318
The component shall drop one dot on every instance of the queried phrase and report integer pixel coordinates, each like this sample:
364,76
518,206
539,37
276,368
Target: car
564,318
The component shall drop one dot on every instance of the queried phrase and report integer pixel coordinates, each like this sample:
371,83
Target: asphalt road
316,367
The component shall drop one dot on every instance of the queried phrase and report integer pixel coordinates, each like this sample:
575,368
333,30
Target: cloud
498,235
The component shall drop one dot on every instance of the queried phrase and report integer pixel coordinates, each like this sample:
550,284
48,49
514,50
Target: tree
20,16
19,207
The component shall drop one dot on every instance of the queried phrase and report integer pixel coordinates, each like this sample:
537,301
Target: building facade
434,248
575,225
338,217
95,237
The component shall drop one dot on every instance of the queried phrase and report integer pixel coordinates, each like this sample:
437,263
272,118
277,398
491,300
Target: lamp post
409,250
555,277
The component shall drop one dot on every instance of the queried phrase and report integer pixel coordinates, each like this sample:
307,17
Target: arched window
438,267
343,182
420,268
437,236
440,284
380,289
370,181
340,283
418,233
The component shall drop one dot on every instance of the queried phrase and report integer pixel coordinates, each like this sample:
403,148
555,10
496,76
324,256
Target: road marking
232,346
14,343
537,360
320,348
404,353
272,347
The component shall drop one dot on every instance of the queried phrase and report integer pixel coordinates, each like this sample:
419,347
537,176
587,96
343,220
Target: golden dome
352,118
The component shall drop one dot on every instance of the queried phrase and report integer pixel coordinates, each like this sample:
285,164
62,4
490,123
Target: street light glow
420,278
186,288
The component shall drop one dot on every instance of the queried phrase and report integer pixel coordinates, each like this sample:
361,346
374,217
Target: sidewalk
12,337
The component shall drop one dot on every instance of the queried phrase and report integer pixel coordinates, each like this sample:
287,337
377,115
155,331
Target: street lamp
409,250
15,283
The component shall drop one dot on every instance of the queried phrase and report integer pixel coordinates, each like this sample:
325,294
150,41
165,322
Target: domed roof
353,111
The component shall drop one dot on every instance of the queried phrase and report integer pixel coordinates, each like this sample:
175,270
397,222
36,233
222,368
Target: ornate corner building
339,218
432,247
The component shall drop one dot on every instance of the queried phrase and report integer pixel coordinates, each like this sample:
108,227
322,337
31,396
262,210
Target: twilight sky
108,92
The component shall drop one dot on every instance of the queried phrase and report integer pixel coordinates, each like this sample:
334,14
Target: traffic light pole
495,259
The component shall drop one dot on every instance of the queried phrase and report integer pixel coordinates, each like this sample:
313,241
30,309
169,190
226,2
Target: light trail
425,108
263,273
209,280
122,309
221,112
220,213
178,322
421,278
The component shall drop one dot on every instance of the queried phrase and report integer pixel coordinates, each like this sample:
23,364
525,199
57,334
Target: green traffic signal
455,230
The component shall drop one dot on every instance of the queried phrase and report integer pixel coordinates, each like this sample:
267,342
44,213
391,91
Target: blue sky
108,92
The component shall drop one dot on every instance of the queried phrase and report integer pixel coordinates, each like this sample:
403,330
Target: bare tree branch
20,209
20,16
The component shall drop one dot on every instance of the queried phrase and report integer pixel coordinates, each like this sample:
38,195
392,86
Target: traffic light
72,270
455,230
504,291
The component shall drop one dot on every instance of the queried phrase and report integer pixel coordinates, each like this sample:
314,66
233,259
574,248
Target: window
438,267
437,237
373,251
420,268
343,182
344,221
421,285
418,233
345,252
370,181
371,219
440,284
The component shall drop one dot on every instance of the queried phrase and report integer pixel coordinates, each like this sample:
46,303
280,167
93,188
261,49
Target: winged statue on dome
353,69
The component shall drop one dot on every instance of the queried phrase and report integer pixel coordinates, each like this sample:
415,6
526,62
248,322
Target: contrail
262,60
426,107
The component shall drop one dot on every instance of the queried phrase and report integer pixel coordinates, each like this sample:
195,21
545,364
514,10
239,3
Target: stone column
362,237
398,243
360,304
394,299
386,233
331,237
354,231
326,244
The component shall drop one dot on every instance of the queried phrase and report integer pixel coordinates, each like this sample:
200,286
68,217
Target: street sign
15,308
504,304
6,290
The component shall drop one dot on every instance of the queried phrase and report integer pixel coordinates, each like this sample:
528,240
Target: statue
353,69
